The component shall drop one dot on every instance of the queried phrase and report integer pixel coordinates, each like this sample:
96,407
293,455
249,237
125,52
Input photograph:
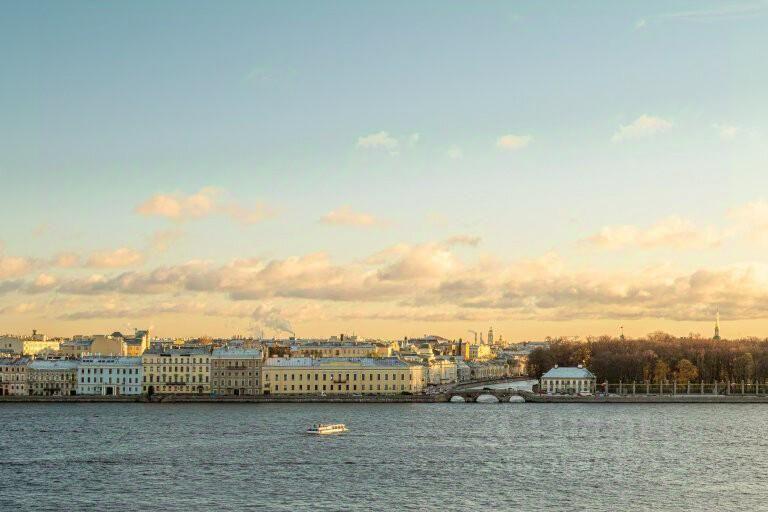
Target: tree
744,367
660,371
686,371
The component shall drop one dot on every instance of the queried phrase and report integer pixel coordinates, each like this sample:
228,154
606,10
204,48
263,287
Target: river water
464,457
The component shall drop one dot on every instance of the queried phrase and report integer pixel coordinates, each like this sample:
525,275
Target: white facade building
108,375
442,371
568,379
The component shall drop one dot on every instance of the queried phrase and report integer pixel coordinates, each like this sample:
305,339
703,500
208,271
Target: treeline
658,358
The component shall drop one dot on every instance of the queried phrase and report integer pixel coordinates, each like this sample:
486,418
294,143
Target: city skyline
392,170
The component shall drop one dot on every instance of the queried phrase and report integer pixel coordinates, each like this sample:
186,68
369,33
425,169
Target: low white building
442,371
109,375
568,379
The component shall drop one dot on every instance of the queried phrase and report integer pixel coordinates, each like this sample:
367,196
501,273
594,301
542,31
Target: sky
387,169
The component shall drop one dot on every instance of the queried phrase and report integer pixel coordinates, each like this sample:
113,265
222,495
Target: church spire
717,325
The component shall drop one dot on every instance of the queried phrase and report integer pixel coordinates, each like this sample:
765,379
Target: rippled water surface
395,457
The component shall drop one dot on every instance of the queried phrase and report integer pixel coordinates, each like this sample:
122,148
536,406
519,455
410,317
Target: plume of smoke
270,318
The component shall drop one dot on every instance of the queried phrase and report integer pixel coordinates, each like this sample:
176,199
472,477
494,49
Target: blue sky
106,105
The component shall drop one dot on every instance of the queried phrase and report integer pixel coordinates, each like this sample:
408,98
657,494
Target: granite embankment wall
441,398
167,399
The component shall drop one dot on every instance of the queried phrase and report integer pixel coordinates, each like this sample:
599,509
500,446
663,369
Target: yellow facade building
337,375
176,371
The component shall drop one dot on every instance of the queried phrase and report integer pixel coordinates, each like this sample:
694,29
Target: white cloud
207,201
347,217
180,206
640,24
122,257
15,266
18,309
510,142
380,140
726,131
66,260
429,281
414,139
672,232
642,127
43,283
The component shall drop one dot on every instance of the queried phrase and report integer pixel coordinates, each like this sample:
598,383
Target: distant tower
717,325
490,336
621,336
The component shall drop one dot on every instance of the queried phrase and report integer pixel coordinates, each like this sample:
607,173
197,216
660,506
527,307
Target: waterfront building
109,375
442,371
13,376
568,379
176,370
54,377
337,375
235,371
28,345
488,370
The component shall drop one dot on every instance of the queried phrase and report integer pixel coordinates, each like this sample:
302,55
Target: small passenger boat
322,428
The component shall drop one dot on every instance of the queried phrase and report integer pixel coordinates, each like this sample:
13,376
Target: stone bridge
502,395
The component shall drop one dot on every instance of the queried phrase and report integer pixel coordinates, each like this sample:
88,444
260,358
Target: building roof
177,351
568,372
14,361
110,361
321,345
330,362
53,364
236,353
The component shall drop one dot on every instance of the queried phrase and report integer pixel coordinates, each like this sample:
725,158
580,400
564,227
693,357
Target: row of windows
176,389
217,382
338,376
167,360
97,390
339,387
118,380
167,378
231,374
52,376
159,369
119,371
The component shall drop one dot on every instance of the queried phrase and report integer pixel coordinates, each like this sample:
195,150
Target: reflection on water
454,457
